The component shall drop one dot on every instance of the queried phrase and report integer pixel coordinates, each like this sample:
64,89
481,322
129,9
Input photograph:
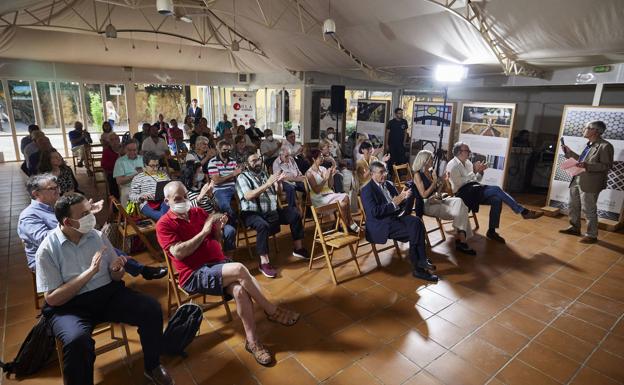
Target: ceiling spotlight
450,73
235,46
329,27
164,7
111,31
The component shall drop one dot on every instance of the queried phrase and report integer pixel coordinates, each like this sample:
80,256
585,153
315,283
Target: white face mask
330,136
270,138
199,177
87,223
181,208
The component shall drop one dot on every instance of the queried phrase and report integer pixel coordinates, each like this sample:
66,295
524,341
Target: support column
598,94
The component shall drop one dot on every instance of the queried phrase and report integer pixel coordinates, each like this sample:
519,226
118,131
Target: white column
133,122
598,94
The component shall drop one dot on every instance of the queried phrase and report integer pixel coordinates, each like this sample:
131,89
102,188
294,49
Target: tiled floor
543,309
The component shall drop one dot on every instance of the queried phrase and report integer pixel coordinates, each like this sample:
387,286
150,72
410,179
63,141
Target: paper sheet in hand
569,165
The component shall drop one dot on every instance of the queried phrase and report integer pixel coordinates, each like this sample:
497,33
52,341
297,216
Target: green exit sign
599,69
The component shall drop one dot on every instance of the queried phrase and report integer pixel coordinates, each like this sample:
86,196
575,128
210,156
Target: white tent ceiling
397,40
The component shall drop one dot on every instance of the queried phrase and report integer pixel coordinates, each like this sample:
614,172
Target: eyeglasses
468,151
153,165
55,188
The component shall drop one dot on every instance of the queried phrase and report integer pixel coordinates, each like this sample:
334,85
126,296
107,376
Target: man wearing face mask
269,148
81,278
258,200
37,220
224,170
334,147
254,133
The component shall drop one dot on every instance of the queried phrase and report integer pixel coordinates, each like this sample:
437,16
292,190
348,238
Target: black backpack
35,352
181,329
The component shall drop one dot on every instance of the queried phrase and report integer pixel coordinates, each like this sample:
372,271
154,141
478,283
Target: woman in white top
448,208
111,115
320,180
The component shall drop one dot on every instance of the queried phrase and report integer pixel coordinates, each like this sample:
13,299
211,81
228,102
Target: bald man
190,238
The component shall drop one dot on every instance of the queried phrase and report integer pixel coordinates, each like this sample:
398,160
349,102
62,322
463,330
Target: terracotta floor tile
503,338
602,303
379,295
441,331
607,364
573,278
224,368
614,344
519,323
356,342
561,288
608,290
579,328
519,373
592,315
354,374
284,373
423,378
482,354
589,376
548,361
384,326
323,359
565,344
451,369
619,328
328,320
462,317
406,311
417,348
390,366
534,309
432,301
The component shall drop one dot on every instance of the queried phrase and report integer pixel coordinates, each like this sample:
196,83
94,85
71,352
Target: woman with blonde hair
430,202
111,114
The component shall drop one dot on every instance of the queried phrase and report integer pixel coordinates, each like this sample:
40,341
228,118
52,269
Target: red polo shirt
171,229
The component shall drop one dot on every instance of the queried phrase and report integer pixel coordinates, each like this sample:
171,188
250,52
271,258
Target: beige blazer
599,161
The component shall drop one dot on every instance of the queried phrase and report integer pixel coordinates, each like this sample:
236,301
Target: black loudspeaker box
338,104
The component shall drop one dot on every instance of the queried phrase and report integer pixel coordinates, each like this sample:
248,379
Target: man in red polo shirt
191,239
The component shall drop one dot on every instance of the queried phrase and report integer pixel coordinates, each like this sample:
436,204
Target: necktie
386,193
585,152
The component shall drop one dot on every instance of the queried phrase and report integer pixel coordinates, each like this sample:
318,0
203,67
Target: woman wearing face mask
201,194
51,161
269,148
334,147
143,187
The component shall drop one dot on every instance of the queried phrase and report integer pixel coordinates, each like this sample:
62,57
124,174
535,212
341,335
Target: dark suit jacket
196,116
380,213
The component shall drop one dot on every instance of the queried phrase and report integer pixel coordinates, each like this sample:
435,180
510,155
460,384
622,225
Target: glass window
274,100
352,97
116,109
261,109
70,104
167,99
381,95
292,115
46,95
94,107
7,146
20,92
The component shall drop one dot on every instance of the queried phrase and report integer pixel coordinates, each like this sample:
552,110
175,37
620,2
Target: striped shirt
144,184
247,181
207,203
216,166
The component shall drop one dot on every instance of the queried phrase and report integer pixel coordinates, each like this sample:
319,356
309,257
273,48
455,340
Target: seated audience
51,161
269,148
32,147
202,152
110,154
143,187
175,138
155,144
188,126
240,131
80,140
362,166
254,133
296,150
334,146
430,202
126,168
201,129
43,144
37,220
81,278
107,131
241,149
321,180
388,217
28,138
228,136
360,138
142,135
161,125
190,238
222,126
329,162
201,194
465,178
258,200
224,170
293,180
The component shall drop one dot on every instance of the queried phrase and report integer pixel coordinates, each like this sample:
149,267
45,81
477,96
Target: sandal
283,316
260,352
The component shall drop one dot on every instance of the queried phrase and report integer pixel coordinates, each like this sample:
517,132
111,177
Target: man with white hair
465,180
596,159
293,178
190,238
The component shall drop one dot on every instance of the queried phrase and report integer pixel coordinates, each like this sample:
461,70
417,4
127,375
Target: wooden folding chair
128,228
334,238
176,295
402,174
439,228
36,295
116,342
364,242
247,234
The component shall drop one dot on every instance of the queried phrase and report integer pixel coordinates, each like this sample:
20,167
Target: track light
110,31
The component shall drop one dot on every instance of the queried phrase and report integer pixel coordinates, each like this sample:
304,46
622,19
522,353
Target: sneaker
150,272
493,235
267,270
570,231
531,214
301,253
159,376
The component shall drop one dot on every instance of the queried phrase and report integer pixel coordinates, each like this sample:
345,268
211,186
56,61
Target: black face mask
225,154
257,168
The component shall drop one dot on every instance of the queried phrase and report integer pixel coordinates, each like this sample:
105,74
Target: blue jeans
223,196
229,237
132,266
291,192
154,214
494,196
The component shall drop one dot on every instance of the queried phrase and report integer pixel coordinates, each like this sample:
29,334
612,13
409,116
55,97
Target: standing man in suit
388,217
596,159
194,111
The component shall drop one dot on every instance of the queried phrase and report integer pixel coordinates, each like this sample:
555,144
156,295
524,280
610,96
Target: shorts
208,279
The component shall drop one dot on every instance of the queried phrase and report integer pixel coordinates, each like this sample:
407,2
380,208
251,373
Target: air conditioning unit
244,78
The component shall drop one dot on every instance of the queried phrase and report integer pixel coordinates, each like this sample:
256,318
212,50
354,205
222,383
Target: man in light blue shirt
38,219
80,277
126,167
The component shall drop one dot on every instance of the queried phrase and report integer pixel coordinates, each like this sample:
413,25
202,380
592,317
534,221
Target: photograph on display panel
372,117
487,129
427,121
243,106
610,200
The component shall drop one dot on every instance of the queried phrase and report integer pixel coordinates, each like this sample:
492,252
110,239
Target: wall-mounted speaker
338,104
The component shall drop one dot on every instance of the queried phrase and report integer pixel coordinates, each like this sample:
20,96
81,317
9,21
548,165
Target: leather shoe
493,235
532,214
427,265
570,231
424,274
464,248
150,272
159,376
588,240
